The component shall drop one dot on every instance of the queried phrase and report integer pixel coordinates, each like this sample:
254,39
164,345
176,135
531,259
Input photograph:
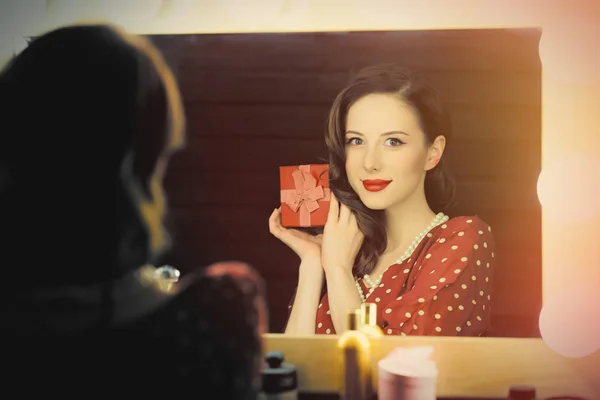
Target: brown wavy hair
414,89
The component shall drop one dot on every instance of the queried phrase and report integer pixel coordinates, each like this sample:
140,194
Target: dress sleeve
450,293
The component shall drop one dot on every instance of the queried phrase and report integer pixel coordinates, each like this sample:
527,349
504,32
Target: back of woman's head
90,116
413,89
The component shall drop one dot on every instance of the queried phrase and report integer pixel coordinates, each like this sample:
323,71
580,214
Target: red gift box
305,195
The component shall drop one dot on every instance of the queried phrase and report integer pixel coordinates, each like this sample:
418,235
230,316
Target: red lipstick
375,185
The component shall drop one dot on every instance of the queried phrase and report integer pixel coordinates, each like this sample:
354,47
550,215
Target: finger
333,214
275,223
358,241
318,239
353,220
304,235
344,214
299,233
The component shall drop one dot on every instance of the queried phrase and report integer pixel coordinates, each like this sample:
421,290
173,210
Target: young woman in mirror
388,239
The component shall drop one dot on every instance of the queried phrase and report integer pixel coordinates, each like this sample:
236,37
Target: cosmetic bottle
279,379
356,365
368,317
521,393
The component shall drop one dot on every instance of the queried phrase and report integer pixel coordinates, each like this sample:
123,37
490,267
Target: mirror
255,102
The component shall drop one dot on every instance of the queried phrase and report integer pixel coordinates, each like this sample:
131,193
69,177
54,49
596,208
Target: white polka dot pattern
452,268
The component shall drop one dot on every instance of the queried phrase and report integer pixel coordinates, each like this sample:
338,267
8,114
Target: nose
372,161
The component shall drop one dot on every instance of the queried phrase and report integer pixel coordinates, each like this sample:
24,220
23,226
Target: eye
354,141
393,142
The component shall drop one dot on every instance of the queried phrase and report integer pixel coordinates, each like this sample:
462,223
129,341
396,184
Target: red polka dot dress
443,288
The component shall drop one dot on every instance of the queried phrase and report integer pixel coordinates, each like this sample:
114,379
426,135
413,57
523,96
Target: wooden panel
258,120
488,50
300,87
518,125
265,155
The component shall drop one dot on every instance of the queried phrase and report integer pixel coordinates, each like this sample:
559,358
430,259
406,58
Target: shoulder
461,237
224,301
217,320
466,227
231,286
215,298
468,223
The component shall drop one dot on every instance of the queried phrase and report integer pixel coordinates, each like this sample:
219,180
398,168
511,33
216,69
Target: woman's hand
306,246
342,238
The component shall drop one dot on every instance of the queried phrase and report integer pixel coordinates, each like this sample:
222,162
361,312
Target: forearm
343,296
308,294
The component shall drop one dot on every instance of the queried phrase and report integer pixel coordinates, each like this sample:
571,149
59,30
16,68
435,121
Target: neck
406,220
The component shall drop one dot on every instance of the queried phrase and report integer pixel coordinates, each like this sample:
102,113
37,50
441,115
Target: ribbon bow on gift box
305,195
306,192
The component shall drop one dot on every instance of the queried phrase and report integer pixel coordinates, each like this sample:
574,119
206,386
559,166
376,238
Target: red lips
375,185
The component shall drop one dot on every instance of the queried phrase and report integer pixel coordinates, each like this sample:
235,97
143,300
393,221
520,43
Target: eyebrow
383,134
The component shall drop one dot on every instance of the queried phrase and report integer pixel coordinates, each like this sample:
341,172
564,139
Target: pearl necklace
372,285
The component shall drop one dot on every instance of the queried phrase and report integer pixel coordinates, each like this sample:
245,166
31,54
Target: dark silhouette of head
90,118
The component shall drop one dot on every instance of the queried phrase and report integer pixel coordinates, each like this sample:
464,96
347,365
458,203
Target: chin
373,204
376,207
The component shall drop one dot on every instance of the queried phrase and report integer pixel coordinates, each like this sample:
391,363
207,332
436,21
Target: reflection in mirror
256,102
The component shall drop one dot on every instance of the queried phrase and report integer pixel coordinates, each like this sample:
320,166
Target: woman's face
387,155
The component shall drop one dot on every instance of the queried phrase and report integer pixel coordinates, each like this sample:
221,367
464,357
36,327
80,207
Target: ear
435,152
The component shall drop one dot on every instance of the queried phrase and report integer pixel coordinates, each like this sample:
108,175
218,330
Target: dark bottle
521,393
279,379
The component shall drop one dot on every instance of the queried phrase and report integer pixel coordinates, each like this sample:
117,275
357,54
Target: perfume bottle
368,316
356,370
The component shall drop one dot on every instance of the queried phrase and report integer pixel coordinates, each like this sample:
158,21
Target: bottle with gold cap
368,319
356,370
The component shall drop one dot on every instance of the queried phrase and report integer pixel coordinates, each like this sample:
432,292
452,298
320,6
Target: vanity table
469,368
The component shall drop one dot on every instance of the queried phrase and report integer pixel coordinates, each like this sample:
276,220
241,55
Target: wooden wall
257,101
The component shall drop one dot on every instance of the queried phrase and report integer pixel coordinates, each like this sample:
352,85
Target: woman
91,116
388,239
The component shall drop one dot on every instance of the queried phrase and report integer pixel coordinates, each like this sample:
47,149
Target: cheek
407,164
350,164
352,171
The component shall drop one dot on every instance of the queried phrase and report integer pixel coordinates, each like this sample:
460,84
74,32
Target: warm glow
569,187
570,50
350,338
243,11
570,321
